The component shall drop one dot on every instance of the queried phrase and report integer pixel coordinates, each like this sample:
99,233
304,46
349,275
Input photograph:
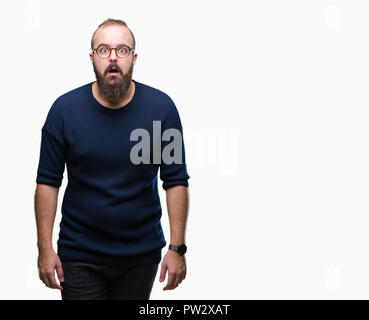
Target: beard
115,88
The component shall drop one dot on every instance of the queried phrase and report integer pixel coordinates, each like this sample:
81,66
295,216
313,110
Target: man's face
113,86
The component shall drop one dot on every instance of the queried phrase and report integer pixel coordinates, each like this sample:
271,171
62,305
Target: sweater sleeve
52,151
174,173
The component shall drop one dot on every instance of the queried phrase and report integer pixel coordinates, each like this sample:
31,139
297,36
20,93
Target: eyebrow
104,44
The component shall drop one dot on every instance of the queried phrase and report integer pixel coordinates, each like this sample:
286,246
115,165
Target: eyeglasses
122,51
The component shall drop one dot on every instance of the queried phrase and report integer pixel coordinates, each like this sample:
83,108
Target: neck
113,103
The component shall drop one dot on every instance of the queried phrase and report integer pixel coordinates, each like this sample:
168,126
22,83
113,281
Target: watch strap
181,249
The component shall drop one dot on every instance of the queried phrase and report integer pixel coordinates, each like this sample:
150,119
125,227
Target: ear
91,57
134,58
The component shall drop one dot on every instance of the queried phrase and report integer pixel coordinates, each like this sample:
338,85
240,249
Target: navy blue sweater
111,208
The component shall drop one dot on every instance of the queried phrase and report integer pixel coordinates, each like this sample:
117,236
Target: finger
183,276
162,272
52,281
45,280
171,281
59,272
43,277
180,278
178,281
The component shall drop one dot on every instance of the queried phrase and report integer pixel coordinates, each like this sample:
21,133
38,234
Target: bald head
120,25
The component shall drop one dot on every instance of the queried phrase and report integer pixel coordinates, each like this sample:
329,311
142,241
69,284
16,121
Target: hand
176,266
48,261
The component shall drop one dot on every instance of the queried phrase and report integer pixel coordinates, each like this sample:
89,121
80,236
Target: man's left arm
173,173
177,203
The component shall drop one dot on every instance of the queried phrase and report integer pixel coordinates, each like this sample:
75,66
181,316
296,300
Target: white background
273,98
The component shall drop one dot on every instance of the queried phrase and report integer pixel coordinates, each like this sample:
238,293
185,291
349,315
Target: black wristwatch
181,249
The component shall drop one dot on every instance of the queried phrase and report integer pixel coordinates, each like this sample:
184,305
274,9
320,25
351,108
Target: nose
113,55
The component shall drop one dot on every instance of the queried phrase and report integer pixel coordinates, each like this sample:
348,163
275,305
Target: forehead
113,35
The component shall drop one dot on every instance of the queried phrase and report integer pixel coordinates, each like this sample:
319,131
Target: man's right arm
46,200
53,155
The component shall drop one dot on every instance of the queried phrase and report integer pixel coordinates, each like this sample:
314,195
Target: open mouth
113,72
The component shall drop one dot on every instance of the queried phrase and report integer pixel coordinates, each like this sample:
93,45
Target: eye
123,50
103,50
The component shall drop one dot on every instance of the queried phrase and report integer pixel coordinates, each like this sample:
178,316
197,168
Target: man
111,237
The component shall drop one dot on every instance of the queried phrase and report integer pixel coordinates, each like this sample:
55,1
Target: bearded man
111,237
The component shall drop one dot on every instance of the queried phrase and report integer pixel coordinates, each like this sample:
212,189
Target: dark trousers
86,281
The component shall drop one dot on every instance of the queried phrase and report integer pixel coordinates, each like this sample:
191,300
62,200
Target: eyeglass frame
115,49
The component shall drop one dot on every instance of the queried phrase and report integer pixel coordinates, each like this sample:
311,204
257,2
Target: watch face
182,249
